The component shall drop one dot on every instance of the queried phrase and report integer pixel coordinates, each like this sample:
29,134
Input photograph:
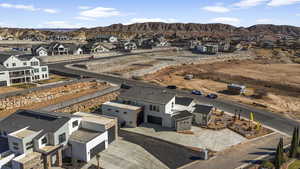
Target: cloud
52,11
84,7
298,14
226,20
26,7
85,18
249,3
282,2
99,12
60,24
265,20
217,9
142,20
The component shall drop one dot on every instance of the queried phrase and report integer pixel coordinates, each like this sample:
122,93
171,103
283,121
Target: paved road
273,120
241,154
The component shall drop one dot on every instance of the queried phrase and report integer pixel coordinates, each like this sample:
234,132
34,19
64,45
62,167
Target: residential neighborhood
150,85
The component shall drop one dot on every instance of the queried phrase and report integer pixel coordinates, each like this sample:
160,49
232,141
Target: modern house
105,38
94,48
150,105
59,49
16,69
35,140
40,50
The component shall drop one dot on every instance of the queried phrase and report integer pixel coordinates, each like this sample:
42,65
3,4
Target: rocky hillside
190,29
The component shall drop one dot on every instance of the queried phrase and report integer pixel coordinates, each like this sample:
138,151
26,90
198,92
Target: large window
44,69
36,70
34,63
75,124
62,138
44,140
29,145
14,64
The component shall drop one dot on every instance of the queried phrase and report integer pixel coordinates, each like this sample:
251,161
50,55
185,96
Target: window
2,73
25,63
14,64
16,148
7,65
108,109
75,124
44,69
44,140
62,138
29,145
34,63
36,71
4,133
15,144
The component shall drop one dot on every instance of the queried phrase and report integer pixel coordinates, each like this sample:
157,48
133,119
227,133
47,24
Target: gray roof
182,115
148,94
203,109
36,121
185,101
4,57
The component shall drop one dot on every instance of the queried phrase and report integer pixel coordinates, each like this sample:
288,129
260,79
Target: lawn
295,165
25,85
53,79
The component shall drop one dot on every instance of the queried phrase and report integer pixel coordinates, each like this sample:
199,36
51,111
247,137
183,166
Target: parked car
171,87
197,92
125,86
212,96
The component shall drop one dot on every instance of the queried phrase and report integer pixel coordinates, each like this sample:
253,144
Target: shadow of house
172,155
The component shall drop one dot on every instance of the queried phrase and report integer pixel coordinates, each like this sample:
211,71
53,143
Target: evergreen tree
279,155
294,143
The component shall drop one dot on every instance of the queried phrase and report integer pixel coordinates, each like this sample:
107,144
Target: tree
279,160
294,143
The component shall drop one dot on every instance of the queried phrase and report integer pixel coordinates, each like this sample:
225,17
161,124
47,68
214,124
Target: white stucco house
16,69
41,139
150,105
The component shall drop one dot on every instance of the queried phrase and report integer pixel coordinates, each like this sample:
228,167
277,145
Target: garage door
3,83
96,150
111,134
155,120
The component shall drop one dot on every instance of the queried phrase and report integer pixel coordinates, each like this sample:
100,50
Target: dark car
171,87
197,92
212,96
125,86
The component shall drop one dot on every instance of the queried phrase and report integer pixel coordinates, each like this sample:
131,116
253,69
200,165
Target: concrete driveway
202,138
135,151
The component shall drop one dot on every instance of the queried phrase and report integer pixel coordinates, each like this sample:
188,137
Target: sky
93,13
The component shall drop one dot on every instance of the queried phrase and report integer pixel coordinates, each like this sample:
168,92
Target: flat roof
28,157
84,135
23,133
95,118
123,106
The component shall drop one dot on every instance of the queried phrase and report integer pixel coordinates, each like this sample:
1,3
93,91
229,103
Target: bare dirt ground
140,64
278,78
43,98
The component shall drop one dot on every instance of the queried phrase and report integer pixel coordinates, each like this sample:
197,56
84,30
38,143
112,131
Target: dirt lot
141,64
43,98
277,77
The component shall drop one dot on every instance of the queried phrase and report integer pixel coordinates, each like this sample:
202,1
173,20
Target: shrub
267,164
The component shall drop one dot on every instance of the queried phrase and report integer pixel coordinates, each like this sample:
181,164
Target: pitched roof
4,57
203,109
148,94
36,121
185,101
182,115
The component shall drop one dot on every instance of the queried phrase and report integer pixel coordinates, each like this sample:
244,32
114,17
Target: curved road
276,121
